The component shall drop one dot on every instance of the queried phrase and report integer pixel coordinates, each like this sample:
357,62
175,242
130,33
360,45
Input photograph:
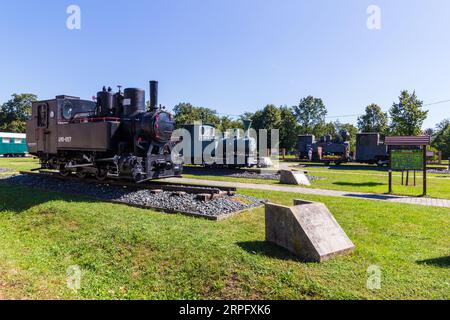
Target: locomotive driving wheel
63,171
81,173
101,174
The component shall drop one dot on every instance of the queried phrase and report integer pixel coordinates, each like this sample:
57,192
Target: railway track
209,202
203,193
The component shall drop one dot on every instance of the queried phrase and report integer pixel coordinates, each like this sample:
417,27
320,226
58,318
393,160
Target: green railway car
13,144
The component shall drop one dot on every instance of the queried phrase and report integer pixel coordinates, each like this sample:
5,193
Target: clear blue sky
232,55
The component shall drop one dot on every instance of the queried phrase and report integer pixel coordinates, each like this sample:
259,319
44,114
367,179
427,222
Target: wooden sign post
408,153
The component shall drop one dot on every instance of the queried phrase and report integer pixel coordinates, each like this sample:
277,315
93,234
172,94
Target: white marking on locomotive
65,139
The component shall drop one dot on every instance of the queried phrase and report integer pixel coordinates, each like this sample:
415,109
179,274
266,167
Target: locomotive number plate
65,139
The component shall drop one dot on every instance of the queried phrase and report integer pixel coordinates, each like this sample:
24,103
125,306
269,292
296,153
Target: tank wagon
113,137
327,150
224,151
13,144
370,149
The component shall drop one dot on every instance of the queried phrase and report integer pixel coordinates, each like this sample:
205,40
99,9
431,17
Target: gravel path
165,201
320,192
240,173
439,171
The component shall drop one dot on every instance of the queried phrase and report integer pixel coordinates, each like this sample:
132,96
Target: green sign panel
407,160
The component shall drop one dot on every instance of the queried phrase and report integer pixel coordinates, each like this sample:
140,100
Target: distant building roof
408,141
12,135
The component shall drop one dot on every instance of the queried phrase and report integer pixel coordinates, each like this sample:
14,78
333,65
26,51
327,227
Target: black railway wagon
370,149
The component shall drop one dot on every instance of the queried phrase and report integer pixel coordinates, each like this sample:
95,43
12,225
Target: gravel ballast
165,201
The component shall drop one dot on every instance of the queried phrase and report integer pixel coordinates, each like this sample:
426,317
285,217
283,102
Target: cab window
72,109
42,115
67,110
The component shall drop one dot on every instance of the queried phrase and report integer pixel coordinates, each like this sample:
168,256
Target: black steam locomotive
327,150
116,136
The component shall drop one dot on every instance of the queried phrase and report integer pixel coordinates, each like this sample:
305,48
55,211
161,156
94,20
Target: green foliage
227,123
289,129
15,112
186,113
374,120
407,115
441,138
310,114
324,128
268,118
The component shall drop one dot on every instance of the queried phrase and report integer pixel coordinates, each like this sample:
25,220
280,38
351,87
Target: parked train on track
369,149
113,137
208,148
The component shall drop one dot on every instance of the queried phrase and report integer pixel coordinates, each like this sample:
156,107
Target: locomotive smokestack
153,95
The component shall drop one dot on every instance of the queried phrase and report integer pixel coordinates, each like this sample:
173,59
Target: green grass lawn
130,253
375,181
359,181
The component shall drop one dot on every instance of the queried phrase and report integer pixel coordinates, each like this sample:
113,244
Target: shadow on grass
443,262
348,167
373,196
267,249
358,184
15,198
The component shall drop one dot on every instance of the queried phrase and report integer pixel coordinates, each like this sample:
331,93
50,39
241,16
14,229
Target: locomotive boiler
116,136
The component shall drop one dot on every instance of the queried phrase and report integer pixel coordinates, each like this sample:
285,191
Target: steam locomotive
207,148
113,137
326,150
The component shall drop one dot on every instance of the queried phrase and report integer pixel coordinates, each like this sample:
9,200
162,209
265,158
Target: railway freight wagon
370,149
326,150
13,144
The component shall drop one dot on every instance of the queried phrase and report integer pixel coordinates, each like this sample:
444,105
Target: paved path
320,192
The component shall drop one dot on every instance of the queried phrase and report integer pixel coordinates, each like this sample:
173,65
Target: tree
310,113
269,118
374,120
15,113
323,129
186,113
441,138
407,115
288,128
227,123
429,132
